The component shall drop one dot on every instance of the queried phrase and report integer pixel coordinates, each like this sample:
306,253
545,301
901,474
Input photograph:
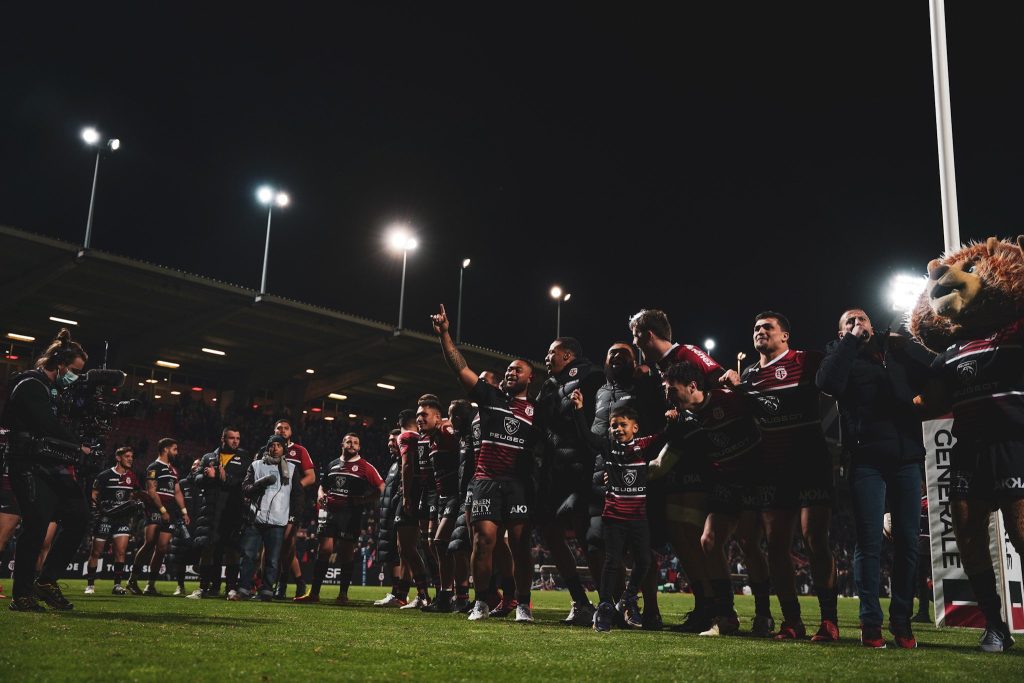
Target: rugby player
499,487
685,487
466,423
162,489
387,538
444,458
348,488
407,513
113,496
718,426
798,487
299,456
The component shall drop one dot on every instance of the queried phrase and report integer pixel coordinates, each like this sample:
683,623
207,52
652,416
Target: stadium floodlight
269,197
904,290
215,352
709,344
92,137
559,296
338,397
389,387
329,418
175,393
310,371
20,337
401,239
352,416
55,319
458,320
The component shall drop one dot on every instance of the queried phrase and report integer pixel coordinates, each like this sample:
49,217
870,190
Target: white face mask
69,377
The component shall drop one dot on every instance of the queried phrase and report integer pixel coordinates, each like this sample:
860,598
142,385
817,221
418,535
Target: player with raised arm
499,487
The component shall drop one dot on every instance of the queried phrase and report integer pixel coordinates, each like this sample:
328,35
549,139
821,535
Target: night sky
709,164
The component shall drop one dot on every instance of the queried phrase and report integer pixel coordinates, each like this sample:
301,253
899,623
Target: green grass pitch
173,639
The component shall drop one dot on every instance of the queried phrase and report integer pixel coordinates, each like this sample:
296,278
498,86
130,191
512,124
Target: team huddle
666,448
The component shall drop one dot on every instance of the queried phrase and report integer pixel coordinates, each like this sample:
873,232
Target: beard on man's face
619,373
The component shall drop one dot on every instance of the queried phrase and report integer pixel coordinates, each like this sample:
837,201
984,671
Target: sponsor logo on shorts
511,425
814,495
1010,483
481,506
519,509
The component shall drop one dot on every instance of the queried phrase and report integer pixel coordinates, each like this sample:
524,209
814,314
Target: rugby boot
197,594
419,602
652,621
389,600
480,611
118,590
762,626
340,600
524,615
307,599
828,632
603,617
26,604
179,591
462,605
902,634
791,630
871,636
582,614
996,638
728,625
51,594
695,621
152,592
89,590
133,587
631,611
505,607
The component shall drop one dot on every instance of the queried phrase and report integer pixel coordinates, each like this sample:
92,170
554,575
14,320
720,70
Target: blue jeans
271,538
870,485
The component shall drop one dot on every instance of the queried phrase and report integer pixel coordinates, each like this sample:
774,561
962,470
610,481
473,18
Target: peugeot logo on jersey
780,373
770,403
967,370
629,478
511,425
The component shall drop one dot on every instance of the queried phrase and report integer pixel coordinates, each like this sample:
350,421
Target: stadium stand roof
148,312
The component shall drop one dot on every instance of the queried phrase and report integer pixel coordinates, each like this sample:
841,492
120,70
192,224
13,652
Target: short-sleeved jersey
114,488
786,406
444,459
507,434
985,381
723,431
344,479
408,450
166,478
469,447
296,453
692,354
625,464
424,466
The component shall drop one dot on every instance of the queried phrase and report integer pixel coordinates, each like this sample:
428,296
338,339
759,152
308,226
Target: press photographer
40,452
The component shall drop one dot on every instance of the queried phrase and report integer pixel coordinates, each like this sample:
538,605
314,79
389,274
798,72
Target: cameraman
45,491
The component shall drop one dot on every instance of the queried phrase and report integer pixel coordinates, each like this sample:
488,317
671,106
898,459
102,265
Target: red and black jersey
469,447
114,487
296,453
424,467
444,459
625,464
507,433
786,407
723,431
695,355
408,451
985,380
346,479
166,478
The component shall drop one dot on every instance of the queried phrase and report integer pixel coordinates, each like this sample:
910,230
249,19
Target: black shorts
448,507
467,504
687,476
792,489
987,472
402,518
111,527
154,517
8,501
732,497
427,507
345,524
499,500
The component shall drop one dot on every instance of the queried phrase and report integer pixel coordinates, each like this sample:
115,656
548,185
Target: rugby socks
762,598
231,576
319,572
700,600
421,586
344,578
984,586
827,600
576,590
461,592
118,573
523,597
91,573
790,610
400,589
723,600
508,588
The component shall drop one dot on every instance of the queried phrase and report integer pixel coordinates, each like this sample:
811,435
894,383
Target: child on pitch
620,468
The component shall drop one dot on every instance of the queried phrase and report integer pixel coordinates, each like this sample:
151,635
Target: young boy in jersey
621,471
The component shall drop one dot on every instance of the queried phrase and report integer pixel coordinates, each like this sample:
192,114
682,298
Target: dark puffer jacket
390,500
875,383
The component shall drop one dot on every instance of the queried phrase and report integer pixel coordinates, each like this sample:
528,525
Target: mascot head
971,293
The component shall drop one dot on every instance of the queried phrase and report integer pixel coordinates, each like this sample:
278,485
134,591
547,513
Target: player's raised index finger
442,311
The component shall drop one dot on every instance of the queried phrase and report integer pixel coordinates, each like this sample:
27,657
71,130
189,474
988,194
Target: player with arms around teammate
348,488
114,497
162,489
507,435
299,456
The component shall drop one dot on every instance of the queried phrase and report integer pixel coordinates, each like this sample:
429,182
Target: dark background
711,162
